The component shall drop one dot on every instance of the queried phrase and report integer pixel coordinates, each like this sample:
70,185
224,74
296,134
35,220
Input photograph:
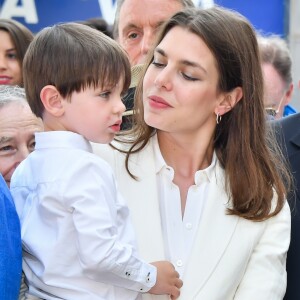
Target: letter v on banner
108,8
204,3
26,9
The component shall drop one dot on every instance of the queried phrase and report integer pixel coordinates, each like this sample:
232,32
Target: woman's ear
52,100
229,101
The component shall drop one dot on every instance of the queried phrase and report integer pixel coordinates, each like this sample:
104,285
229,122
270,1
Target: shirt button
188,226
179,263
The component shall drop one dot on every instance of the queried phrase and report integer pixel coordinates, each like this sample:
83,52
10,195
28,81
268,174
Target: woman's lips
5,79
158,102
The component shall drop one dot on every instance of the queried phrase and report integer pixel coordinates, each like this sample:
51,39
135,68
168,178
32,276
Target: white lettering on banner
26,10
108,10
204,3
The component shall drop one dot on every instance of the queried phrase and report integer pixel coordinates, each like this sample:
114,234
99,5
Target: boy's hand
167,281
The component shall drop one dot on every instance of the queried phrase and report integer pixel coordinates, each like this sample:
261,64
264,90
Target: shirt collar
61,139
160,164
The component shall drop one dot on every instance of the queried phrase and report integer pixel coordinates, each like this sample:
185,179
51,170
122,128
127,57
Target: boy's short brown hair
72,57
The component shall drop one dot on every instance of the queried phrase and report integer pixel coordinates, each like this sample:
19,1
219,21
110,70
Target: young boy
77,239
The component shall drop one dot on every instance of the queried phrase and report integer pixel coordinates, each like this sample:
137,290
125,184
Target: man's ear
288,94
229,100
52,100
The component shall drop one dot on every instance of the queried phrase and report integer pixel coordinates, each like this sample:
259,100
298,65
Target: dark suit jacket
288,134
128,100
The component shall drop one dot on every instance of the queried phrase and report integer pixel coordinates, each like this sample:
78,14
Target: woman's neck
186,156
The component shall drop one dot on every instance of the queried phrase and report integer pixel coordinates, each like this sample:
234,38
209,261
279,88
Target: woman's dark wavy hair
254,172
20,35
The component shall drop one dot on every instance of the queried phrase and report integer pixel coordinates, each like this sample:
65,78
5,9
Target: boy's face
95,113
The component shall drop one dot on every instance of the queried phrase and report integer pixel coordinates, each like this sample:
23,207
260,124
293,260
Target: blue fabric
288,110
10,246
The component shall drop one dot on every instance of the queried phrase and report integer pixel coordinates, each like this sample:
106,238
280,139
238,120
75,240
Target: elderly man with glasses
277,72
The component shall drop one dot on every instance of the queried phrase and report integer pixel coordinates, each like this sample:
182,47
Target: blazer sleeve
265,275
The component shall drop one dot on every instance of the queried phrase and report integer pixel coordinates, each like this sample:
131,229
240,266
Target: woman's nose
3,62
163,79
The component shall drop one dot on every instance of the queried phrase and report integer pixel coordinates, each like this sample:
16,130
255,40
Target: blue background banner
267,16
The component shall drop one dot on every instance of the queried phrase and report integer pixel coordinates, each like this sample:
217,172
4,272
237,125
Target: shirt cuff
145,279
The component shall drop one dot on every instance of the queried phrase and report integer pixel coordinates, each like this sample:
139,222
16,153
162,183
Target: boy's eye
105,94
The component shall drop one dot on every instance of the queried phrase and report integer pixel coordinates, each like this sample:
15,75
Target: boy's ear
229,101
52,100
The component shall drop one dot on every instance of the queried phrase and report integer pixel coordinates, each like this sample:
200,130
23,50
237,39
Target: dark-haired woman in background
15,39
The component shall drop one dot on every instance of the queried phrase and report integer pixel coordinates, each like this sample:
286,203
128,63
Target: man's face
276,94
139,22
17,127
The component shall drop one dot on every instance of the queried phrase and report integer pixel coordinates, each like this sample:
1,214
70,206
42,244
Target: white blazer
232,258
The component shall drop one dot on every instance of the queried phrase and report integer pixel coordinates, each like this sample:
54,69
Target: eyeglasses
272,111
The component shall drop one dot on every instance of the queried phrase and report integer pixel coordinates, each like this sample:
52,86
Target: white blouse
179,232
78,242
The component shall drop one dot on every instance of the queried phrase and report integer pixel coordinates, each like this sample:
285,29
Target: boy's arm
104,255
106,251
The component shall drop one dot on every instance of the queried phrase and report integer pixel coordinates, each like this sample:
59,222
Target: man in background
137,22
277,72
135,27
288,135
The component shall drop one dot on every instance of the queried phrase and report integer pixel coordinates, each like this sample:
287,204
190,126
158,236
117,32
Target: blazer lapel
143,202
214,234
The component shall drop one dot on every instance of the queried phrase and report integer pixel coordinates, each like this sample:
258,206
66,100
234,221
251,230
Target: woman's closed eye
188,77
158,64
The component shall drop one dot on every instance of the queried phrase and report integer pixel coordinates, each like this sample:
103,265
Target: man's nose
21,154
147,42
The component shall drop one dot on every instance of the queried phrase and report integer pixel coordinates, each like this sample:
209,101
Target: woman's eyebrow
184,61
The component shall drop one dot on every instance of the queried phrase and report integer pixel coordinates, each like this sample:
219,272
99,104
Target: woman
15,39
196,170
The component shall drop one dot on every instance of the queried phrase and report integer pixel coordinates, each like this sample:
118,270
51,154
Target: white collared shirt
77,239
179,232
